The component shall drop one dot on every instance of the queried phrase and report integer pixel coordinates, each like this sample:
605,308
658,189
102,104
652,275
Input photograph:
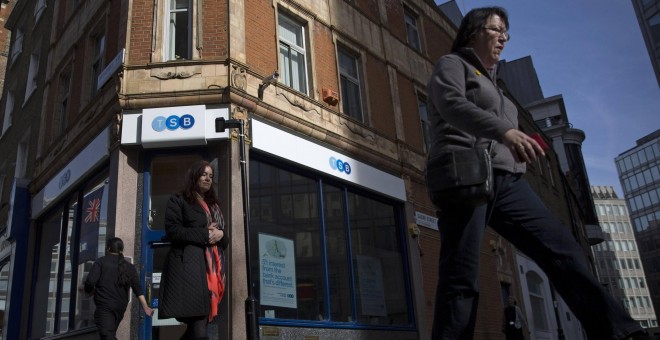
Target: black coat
183,289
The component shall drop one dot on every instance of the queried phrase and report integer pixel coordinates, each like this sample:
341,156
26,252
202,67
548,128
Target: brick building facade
126,95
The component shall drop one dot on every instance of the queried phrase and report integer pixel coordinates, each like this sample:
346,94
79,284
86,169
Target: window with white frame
349,76
98,54
9,107
293,54
537,299
178,39
17,48
33,71
424,119
39,9
412,30
61,117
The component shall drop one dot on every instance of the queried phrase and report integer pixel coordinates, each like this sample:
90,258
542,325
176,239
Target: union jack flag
89,229
92,211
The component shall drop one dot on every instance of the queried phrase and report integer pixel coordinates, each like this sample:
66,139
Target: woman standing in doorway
193,281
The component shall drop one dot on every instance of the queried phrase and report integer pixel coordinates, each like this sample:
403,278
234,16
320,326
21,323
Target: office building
619,265
639,173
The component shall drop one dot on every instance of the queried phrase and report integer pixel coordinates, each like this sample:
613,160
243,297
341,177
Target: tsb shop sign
174,126
173,122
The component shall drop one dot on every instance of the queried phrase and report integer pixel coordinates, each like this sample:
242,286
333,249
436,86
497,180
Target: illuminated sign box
172,126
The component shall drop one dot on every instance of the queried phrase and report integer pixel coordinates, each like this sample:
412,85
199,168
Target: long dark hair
116,245
190,184
473,22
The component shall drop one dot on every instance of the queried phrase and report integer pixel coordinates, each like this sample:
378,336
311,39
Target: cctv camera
271,78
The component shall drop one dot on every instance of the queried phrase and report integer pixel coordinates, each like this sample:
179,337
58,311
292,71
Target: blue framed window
329,255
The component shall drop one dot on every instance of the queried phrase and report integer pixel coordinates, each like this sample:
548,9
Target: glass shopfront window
325,253
71,237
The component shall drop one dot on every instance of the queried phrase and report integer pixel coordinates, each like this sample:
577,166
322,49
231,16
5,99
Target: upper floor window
9,107
412,30
179,31
18,45
98,55
293,54
39,9
33,71
349,75
424,120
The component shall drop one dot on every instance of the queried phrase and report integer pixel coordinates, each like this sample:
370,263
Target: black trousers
521,217
107,320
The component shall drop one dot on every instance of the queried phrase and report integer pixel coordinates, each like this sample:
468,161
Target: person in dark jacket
109,280
466,105
193,279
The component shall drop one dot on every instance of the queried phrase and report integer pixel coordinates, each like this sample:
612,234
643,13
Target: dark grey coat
465,103
183,288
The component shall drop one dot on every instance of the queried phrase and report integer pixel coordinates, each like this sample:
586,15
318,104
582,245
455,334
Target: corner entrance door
163,176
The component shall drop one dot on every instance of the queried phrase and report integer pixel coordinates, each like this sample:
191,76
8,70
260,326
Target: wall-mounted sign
172,126
108,71
278,142
76,170
425,220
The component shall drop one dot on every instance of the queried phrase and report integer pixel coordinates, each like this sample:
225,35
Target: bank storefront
328,244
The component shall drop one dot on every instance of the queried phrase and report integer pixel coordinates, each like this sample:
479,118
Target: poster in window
372,292
277,269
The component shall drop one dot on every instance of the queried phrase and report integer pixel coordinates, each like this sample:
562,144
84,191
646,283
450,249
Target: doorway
163,176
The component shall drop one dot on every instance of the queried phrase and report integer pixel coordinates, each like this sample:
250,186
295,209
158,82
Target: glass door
163,176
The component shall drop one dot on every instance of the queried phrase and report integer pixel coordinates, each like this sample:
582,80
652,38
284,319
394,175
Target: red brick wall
382,115
369,8
215,40
141,29
260,36
325,59
395,21
438,42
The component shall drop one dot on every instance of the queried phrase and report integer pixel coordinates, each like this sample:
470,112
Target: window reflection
72,238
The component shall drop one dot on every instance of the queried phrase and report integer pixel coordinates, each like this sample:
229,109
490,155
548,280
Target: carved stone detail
239,77
174,75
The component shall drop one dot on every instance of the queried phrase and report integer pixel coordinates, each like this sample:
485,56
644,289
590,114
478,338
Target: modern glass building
639,173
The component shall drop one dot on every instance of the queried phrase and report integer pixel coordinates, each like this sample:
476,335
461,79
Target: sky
592,53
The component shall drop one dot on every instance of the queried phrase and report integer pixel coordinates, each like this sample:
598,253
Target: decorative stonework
174,75
239,112
239,77
297,102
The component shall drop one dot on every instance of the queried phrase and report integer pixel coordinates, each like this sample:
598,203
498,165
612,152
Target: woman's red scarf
215,271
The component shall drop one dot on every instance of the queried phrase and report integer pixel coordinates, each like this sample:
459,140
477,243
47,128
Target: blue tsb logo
337,164
172,123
